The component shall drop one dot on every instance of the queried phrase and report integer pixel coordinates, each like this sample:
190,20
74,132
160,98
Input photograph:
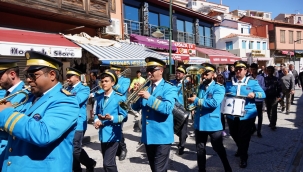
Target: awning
152,42
218,56
128,54
16,42
196,60
287,53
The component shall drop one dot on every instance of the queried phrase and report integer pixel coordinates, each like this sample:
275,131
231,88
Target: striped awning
128,54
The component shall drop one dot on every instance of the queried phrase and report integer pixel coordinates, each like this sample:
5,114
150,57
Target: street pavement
277,151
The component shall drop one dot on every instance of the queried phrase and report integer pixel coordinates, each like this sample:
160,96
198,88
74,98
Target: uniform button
146,116
1,129
147,110
14,138
9,163
10,150
200,114
146,123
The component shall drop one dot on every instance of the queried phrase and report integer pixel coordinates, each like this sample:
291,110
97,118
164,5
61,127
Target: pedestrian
41,138
287,83
232,72
138,80
108,119
259,102
296,77
157,104
273,96
207,121
240,127
300,80
81,92
226,73
261,71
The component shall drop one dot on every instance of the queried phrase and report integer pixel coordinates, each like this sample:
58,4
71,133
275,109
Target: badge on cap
27,55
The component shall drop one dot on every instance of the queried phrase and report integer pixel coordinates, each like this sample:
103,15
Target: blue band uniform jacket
208,105
157,117
110,131
41,139
122,85
14,100
179,90
81,93
251,86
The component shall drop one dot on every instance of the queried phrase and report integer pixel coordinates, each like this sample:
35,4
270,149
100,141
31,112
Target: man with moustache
182,134
122,88
41,138
108,119
240,127
10,82
81,92
157,104
207,119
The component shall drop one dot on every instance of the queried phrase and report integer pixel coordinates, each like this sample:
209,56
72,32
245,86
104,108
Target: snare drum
233,106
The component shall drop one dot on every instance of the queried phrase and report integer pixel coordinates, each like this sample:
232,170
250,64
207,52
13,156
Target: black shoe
283,108
237,154
91,168
287,112
180,150
253,131
122,155
259,134
273,127
243,164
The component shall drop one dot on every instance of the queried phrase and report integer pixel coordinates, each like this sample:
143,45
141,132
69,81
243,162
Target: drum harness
239,84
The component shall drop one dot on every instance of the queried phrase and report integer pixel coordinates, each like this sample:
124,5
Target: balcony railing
135,27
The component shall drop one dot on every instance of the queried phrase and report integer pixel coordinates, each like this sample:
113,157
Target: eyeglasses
152,70
69,76
32,76
240,69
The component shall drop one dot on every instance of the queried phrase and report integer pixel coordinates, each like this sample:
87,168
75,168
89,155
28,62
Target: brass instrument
133,97
16,93
191,87
65,85
96,88
125,72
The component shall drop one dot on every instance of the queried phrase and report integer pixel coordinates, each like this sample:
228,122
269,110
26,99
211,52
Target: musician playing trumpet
10,83
157,104
207,119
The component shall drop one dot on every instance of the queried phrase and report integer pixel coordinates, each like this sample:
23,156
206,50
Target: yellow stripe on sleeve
154,104
158,104
14,123
9,120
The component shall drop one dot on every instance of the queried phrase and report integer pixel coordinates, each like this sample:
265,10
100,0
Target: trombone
23,91
124,73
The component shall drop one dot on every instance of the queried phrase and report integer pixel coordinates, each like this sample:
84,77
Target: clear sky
274,6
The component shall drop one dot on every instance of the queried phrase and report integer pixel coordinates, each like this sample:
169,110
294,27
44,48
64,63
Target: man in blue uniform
122,88
41,138
81,92
182,134
10,83
207,119
157,104
240,127
108,118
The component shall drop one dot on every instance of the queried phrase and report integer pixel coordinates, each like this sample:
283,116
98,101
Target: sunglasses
69,76
240,69
32,76
152,70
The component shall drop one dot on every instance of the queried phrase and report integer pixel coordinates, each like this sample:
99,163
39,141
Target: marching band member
108,118
122,88
41,138
182,134
81,92
207,119
240,127
10,83
157,104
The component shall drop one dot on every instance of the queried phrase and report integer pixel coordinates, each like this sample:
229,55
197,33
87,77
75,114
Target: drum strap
239,84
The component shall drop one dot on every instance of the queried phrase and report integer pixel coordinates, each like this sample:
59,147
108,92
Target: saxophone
133,98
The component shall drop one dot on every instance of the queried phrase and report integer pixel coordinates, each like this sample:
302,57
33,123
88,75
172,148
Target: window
282,36
243,44
164,20
229,45
299,37
264,45
245,30
251,44
189,27
258,45
131,13
180,25
241,30
291,37
153,18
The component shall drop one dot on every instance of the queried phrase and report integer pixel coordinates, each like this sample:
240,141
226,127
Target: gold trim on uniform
240,65
11,128
152,63
113,76
72,72
66,92
27,56
114,68
181,69
158,104
9,120
209,68
40,62
7,66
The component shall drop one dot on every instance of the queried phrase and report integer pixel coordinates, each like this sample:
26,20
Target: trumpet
125,72
65,85
191,87
96,88
23,91
133,97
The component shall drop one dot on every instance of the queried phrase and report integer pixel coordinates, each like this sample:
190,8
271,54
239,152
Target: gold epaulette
66,92
84,83
119,93
219,83
169,83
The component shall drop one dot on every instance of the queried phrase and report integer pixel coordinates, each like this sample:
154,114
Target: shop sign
257,53
185,48
139,62
16,49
